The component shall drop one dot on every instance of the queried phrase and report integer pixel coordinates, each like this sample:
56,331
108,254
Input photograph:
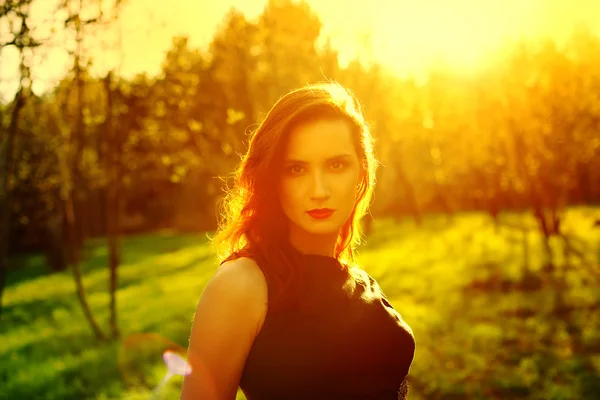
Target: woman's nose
320,187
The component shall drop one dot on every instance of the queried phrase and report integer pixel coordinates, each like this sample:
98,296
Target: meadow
470,289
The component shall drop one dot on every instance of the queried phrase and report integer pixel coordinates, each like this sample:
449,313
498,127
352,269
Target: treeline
110,155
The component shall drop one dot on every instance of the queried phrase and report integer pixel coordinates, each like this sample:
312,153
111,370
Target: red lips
320,213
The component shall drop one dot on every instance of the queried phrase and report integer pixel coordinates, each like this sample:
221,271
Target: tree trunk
76,267
74,222
112,169
113,251
54,241
7,164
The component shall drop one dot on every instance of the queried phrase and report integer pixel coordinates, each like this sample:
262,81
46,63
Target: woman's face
319,176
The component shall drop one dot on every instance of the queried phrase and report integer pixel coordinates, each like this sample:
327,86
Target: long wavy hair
252,222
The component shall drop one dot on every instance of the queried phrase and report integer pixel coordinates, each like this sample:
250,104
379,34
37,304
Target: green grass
46,348
471,344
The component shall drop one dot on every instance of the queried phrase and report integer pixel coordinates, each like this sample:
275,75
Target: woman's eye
337,165
295,169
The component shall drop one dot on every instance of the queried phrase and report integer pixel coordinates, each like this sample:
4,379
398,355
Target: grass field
457,281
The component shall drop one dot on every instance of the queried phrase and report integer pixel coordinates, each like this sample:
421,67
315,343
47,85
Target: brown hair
252,221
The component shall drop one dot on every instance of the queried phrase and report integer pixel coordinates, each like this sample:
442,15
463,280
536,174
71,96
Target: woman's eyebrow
339,156
329,159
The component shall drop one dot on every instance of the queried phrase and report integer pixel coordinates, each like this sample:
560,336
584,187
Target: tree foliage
521,134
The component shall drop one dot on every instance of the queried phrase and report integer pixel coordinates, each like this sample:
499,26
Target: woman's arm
230,313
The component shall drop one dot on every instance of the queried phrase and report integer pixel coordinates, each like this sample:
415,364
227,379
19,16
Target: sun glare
406,37
411,36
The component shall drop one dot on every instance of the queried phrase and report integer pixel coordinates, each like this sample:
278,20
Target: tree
287,57
12,11
76,209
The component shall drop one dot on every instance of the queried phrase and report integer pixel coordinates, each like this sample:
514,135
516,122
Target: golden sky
405,35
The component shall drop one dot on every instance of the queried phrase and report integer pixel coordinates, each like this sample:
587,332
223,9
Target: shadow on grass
56,346
23,268
31,311
137,248
126,280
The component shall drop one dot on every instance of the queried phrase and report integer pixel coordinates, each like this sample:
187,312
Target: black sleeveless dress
347,342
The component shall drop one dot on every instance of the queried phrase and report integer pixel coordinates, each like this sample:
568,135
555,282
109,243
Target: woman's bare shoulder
229,315
241,280
241,272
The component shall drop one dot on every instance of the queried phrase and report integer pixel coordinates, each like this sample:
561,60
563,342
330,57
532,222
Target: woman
288,315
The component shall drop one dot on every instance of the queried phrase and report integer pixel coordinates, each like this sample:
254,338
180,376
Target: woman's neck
308,243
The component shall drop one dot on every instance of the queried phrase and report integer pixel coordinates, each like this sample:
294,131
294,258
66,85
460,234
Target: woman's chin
322,230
